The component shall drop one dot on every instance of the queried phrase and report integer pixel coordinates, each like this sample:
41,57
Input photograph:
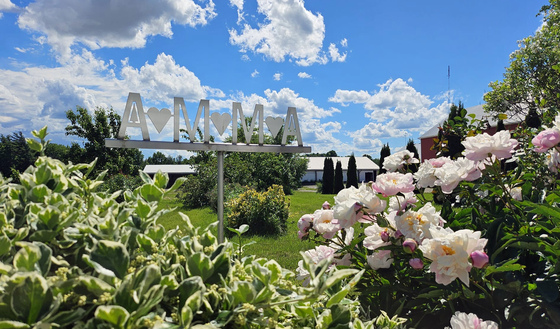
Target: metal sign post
135,117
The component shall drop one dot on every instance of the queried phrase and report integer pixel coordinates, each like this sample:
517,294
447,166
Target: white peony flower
380,259
399,203
377,236
452,173
316,255
481,146
470,321
416,224
425,176
450,251
350,201
324,223
552,160
396,162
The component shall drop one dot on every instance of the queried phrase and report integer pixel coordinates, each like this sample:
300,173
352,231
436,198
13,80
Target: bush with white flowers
491,252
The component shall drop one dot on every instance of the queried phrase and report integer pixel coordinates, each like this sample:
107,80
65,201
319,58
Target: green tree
385,152
61,152
15,154
95,129
331,153
338,178
160,158
412,148
328,176
532,80
352,173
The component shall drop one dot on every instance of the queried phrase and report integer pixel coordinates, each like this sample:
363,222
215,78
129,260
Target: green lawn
284,249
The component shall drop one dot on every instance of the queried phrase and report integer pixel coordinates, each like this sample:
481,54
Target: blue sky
360,73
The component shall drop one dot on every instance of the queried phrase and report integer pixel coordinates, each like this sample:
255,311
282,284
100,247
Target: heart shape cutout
274,125
221,121
159,117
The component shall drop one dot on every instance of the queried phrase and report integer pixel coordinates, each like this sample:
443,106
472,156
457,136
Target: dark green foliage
532,79
94,129
119,182
328,176
412,148
338,178
15,154
331,153
385,152
500,126
352,173
532,119
160,158
266,213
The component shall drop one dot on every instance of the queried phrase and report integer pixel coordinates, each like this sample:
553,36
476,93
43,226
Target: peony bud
479,258
398,234
384,236
326,205
305,222
301,235
409,245
416,263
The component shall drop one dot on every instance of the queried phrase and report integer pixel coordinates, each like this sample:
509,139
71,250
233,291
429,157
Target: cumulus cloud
277,76
344,42
255,74
335,55
120,24
164,80
304,75
288,30
343,97
7,6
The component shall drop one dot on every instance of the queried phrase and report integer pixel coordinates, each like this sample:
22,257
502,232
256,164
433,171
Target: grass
285,249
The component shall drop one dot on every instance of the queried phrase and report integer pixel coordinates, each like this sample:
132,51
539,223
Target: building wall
314,176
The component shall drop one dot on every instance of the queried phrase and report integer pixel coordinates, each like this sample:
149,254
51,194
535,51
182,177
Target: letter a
291,120
132,118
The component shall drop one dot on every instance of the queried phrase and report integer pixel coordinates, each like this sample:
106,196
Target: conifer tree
412,148
328,176
385,152
338,178
352,174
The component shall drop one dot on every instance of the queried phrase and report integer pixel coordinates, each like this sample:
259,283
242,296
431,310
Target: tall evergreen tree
352,173
338,178
15,154
412,148
385,152
328,176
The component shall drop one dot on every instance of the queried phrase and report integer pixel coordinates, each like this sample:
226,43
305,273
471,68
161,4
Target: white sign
135,117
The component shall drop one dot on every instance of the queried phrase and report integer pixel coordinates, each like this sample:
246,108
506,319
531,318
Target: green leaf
114,314
243,292
109,258
95,286
337,276
27,258
6,324
145,177
151,192
31,298
502,116
200,265
34,145
161,179
5,244
548,289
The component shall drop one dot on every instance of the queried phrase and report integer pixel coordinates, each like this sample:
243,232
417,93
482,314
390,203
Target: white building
367,170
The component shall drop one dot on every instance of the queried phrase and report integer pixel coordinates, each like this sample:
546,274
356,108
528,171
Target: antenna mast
449,86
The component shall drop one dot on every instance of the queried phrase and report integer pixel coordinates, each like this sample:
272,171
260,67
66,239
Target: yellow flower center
447,250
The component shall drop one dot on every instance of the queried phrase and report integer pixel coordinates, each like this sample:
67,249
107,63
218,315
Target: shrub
72,257
266,213
120,182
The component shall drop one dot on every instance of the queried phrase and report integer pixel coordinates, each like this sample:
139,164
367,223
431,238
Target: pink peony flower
416,263
416,224
481,146
479,258
409,245
546,139
454,172
393,183
316,255
376,236
304,223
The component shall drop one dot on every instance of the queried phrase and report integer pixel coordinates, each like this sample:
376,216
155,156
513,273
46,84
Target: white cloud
335,55
304,75
164,80
277,76
344,42
120,24
255,74
288,30
350,96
